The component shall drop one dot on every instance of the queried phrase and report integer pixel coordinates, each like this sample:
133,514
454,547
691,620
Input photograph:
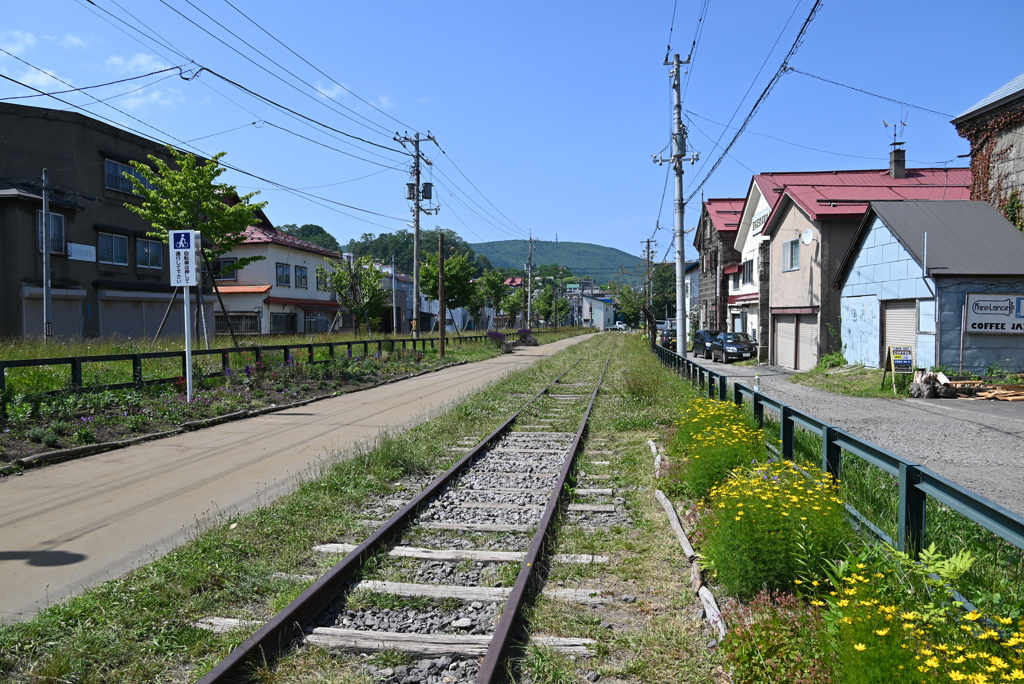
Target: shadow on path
43,558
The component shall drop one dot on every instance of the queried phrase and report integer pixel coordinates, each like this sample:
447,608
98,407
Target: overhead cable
867,92
84,88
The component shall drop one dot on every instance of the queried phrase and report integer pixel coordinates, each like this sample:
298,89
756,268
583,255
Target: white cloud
41,80
331,93
139,62
163,98
386,102
16,42
70,42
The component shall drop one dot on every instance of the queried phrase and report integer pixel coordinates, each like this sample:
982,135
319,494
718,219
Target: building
108,277
598,313
811,228
995,129
917,271
281,293
716,233
691,288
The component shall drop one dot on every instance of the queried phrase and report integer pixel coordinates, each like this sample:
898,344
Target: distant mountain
585,259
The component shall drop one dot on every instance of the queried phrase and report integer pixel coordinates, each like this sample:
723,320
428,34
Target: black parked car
731,346
702,342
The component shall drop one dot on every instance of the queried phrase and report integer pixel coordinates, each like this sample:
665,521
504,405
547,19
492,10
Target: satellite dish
807,236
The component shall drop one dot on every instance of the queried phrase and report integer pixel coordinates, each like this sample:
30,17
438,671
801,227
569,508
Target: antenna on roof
897,128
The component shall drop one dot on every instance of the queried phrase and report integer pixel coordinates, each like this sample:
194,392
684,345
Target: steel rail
508,634
287,626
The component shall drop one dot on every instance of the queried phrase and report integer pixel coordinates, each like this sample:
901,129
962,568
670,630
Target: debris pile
937,385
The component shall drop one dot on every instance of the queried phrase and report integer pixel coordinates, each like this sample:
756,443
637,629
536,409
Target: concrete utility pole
677,159
47,246
529,288
394,297
442,310
414,192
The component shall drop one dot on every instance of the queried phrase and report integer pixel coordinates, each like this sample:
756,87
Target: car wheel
709,354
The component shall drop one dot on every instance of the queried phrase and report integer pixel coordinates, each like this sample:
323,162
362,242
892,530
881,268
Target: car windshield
738,337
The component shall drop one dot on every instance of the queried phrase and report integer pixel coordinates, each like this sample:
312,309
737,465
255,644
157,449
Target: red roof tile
259,234
725,212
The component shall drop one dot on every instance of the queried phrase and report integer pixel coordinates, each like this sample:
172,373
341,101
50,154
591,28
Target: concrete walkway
74,525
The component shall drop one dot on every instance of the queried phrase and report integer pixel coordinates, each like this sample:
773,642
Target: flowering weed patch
712,439
774,528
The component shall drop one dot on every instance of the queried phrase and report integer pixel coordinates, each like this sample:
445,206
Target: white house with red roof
811,227
281,293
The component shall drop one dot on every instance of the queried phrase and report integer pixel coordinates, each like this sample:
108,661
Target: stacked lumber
1002,393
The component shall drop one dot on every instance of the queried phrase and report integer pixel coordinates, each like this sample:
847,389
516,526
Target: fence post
700,377
910,533
349,349
737,396
184,365
831,454
259,355
76,372
786,429
723,387
758,409
330,350
312,354
3,377
137,370
225,362
366,349
380,346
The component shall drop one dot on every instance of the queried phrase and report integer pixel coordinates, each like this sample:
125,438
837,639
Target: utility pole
442,310
47,246
529,280
394,297
677,159
648,285
416,193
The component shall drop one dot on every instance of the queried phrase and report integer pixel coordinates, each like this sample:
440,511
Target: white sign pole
183,275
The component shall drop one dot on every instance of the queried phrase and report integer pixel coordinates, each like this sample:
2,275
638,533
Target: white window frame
286,272
159,252
791,255
303,279
99,248
56,220
219,272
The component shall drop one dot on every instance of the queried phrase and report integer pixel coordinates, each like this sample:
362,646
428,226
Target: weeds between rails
141,627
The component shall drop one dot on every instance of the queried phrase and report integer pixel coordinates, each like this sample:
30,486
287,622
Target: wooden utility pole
441,309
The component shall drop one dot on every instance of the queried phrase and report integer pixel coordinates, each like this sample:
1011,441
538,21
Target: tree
664,290
630,302
492,288
310,232
549,308
189,198
512,303
459,289
358,284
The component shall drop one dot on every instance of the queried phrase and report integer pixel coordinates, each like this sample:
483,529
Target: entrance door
899,325
785,340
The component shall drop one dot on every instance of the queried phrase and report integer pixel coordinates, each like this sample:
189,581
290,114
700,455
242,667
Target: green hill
585,259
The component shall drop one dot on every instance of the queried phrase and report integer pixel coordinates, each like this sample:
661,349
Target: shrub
36,434
777,638
774,528
85,435
524,334
496,338
831,360
713,438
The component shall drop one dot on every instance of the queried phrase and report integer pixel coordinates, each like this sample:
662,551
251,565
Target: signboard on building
995,313
183,258
900,360
760,218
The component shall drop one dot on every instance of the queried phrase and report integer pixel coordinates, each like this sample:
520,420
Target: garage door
155,313
66,317
899,325
807,341
122,317
785,340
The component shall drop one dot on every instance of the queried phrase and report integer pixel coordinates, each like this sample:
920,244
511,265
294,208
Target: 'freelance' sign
995,313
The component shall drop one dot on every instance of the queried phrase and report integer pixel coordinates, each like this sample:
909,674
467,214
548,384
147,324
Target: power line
84,88
866,92
317,142
332,80
697,33
764,94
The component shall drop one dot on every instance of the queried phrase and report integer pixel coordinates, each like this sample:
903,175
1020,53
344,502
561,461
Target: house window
301,276
113,249
149,253
284,275
57,245
283,323
323,282
736,280
224,269
791,255
748,271
115,179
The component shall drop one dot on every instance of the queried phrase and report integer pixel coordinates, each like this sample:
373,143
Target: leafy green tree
358,284
548,307
459,288
663,290
492,288
190,198
310,232
630,302
512,303
399,245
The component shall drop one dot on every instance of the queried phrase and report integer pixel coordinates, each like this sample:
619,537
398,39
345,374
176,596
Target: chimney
898,161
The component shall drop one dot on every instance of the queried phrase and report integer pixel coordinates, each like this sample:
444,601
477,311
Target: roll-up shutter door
155,313
122,317
899,325
785,340
66,317
807,341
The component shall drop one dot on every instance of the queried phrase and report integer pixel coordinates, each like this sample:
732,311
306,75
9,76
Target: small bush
496,338
831,360
778,639
36,434
774,528
85,435
51,439
713,438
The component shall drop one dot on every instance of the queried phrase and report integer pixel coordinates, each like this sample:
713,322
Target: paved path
76,524
977,444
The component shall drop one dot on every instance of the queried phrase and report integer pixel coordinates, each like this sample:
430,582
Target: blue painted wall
883,269
980,349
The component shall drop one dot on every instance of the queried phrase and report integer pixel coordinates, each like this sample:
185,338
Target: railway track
446,579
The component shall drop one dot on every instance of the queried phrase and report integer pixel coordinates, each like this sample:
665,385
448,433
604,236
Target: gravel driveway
977,444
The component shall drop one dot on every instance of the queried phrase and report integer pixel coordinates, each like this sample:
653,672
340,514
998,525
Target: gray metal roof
1006,93
964,238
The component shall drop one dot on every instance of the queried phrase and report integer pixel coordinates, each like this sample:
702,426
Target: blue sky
548,112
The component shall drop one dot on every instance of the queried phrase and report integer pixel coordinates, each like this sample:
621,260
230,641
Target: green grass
855,382
140,627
